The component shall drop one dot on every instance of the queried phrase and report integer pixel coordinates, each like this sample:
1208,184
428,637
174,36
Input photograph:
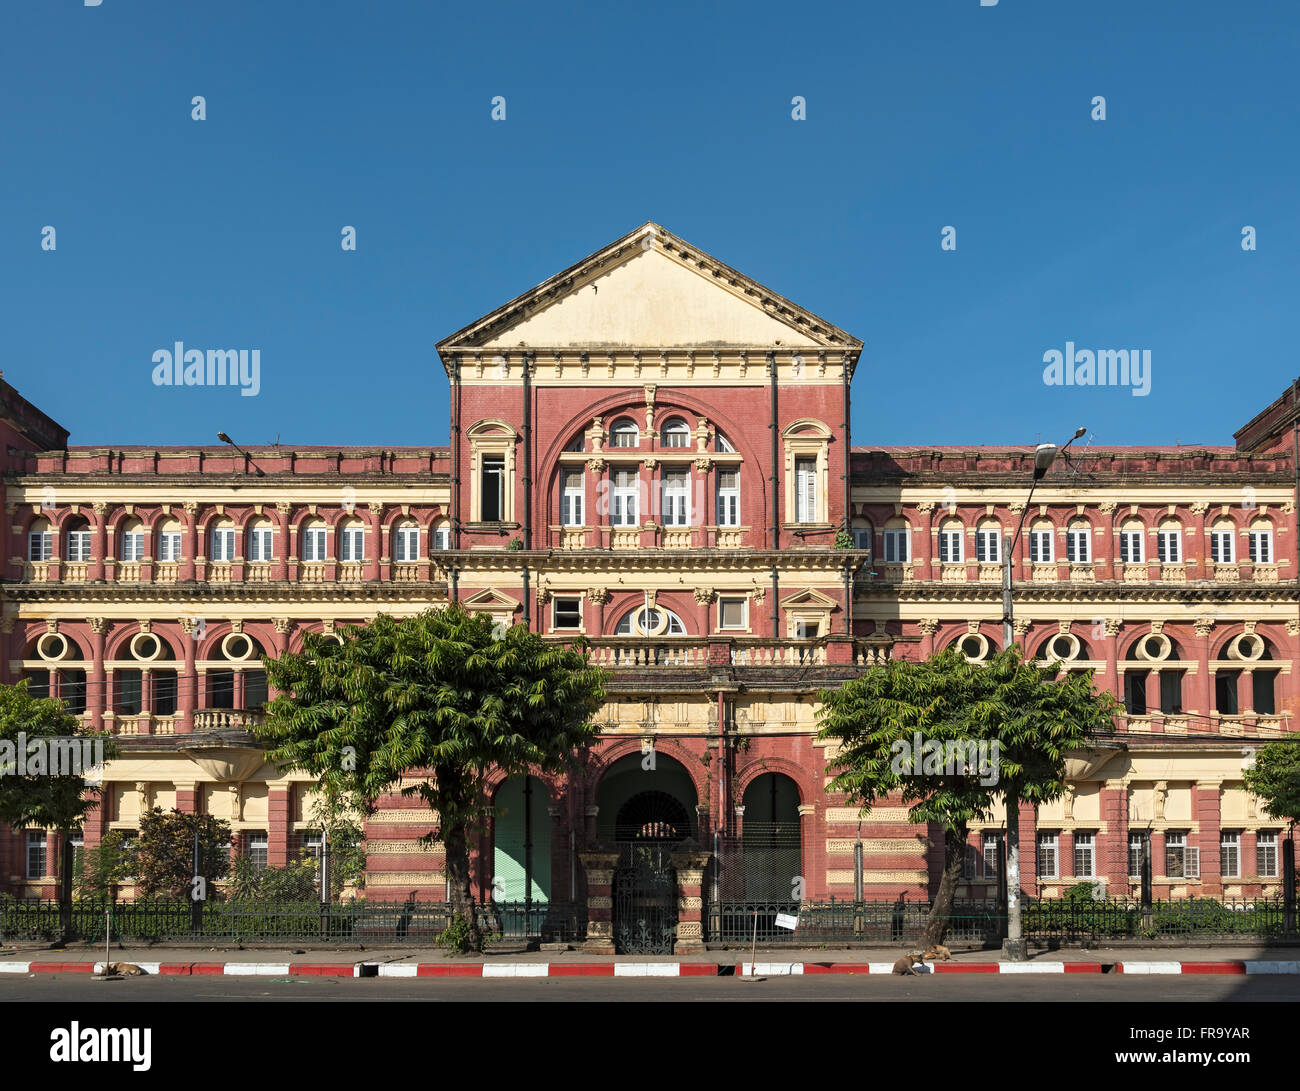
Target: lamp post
1014,947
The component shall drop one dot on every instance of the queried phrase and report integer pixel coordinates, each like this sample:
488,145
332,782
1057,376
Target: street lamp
1014,947
226,439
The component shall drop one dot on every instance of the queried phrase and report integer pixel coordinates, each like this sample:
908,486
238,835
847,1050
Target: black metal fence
1044,920
347,922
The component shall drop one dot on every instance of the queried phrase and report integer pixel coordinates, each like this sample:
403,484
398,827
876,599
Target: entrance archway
771,838
647,812
521,846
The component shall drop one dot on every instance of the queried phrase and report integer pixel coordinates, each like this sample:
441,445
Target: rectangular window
988,546
407,545
40,545
313,544
626,487
898,546
260,541
221,689
571,499
1137,847
127,689
1084,856
568,612
992,854
1182,861
728,498
254,689
1261,546
1130,546
35,854
1230,855
352,544
441,537
79,545
164,686
257,848
309,845
1266,855
1078,546
1264,688
1040,546
1047,857
950,545
492,501
1221,551
1171,691
126,853
1169,546
805,480
169,546
223,545
970,863
78,843
133,546
676,498
1135,693
731,613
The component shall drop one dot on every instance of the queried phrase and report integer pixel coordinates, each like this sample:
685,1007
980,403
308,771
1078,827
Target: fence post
1146,883
1288,886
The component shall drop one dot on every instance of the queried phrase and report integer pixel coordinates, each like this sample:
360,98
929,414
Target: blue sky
1123,233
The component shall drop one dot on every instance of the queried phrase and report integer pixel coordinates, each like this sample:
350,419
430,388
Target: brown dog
906,964
938,952
124,969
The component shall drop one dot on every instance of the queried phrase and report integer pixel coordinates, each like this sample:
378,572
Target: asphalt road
976,988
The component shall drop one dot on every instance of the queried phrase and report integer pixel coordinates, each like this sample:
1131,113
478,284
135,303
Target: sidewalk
432,962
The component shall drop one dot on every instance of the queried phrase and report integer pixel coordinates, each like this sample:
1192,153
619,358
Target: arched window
1261,542
656,622
1078,542
132,538
676,433
624,433
222,538
988,542
898,542
577,443
169,541
442,535
951,542
352,541
974,646
1132,547
723,444
261,541
315,541
863,534
1041,546
1223,549
40,541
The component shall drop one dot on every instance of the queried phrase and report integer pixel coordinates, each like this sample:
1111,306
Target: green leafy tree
102,867
295,882
440,696
950,707
51,792
163,859
1275,779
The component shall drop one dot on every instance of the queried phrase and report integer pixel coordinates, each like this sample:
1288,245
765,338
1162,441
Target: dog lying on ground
907,964
124,969
938,953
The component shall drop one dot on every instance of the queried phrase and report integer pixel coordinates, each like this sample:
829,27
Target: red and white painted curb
645,969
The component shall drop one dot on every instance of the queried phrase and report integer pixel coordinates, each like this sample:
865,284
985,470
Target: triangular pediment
650,289
809,597
490,600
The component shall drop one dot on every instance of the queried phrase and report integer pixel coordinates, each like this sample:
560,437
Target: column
928,627
279,812
1112,847
95,569
690,901
1205,678
1111,652
1250,864
284,544
599,867
97,680
812,851
188,569
1206,810
923,542
1153,699
378,543
187,699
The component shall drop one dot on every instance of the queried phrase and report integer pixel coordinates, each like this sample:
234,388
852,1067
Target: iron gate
645,898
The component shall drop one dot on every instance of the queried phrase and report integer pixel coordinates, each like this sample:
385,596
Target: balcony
226,719
693,653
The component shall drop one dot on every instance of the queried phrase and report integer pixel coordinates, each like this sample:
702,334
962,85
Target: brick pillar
1246,693
97,696
187,798
1113,844
1153,700
1158,864
284,545
1112,627
690,902
1250,864
378,542
1205,688
95,569
1028,848
279,808
923,537
187,699
599,867
189,544
1205,809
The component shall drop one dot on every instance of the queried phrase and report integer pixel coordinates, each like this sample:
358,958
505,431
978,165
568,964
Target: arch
663,622
624,427
806,427
619,775
521,840
772,841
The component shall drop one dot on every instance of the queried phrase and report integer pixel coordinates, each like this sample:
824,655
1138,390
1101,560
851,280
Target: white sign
787,920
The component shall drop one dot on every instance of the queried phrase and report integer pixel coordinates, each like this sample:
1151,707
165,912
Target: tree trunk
954,852
458,878
65,886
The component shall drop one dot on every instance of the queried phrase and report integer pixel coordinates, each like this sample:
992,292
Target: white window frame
221,545
1179,854
1041,549
625,498
40,545
352,544
989,852
133,546
1229,847
728,499
442,536
951,545
898,545
805,490
261,545
406,543
35,843
1078,545
555,613
675,497
572,498
255,842
1266,849
675,430
315,544
492,466
1085,854
621,430
78,545
1131,550
988,545
1218,540
1169,546
1261,546
169,546
744,613
1139,842
1049,843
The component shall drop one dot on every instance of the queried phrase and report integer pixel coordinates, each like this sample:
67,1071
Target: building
653,451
